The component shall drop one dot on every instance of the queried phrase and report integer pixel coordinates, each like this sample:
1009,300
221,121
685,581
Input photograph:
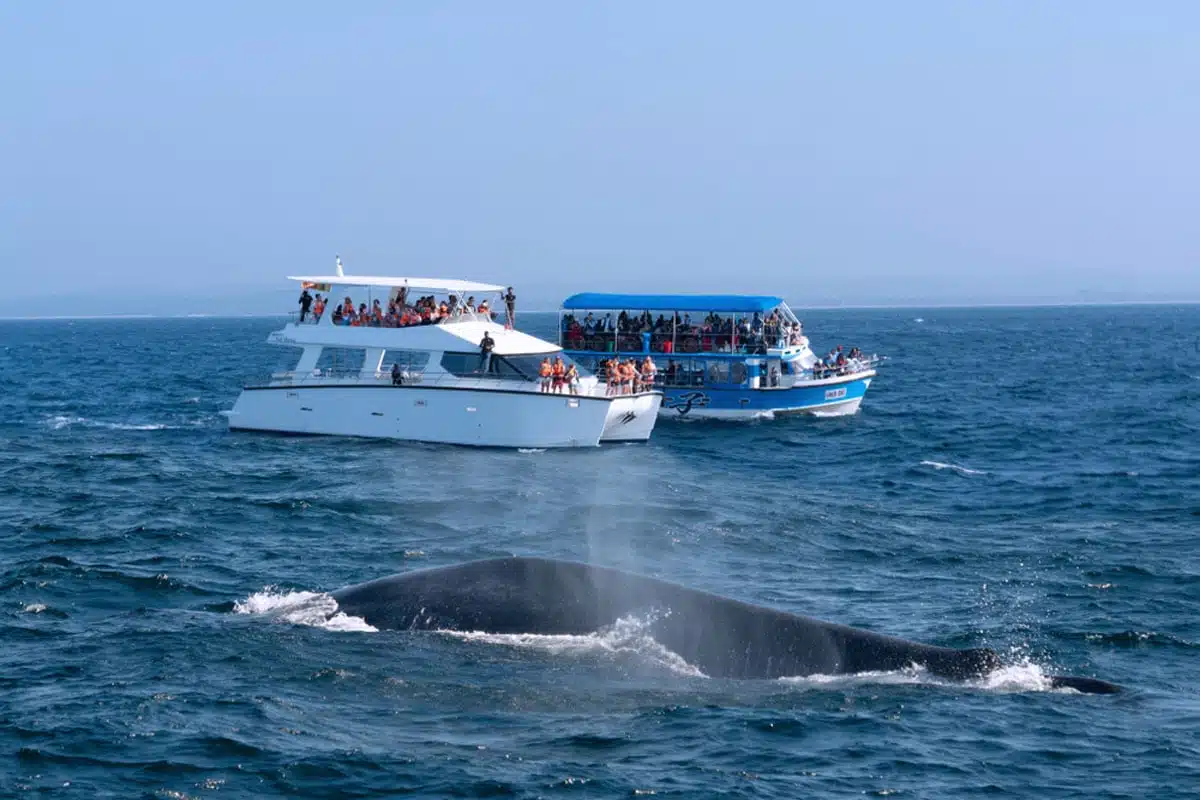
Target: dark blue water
1023,479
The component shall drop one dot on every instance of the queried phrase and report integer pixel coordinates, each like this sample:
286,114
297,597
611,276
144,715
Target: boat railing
680,376
459,315
325,377
691,341
310,318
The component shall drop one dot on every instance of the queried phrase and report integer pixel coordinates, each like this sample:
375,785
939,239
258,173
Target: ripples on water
1023,479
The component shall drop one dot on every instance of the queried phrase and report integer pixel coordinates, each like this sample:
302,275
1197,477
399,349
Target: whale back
719,636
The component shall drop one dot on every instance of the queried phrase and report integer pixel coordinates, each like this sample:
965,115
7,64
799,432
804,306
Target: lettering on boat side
629,417
835,394
685,402
419,403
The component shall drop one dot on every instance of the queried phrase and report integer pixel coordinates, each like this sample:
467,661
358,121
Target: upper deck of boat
731,325
396,315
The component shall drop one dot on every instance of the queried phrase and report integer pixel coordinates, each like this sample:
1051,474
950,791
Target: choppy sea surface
1025,479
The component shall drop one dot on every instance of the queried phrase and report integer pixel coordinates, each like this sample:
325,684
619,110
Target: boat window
510,367
462,364
718,371
409,360
682,372
340,360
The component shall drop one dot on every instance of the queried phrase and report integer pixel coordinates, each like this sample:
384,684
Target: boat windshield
507,367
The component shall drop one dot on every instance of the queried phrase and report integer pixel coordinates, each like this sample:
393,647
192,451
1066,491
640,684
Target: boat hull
830,397
631,418
482,418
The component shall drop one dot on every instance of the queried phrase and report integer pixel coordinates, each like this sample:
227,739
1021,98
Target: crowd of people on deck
620,376
556,376
838,363
667,333
400,313
628,376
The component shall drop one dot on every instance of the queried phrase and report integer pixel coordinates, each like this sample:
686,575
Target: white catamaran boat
382,362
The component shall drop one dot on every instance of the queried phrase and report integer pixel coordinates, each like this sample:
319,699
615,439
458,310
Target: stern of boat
631,418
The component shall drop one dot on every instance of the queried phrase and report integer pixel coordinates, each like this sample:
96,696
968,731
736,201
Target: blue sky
185,156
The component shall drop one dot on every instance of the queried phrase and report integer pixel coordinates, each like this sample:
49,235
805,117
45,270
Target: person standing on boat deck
305,303
397,378
486,345
649,371
510,309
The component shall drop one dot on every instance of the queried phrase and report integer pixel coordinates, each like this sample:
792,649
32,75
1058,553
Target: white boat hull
631,418
478,417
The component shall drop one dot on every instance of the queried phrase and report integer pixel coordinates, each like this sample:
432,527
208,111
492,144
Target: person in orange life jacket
559,373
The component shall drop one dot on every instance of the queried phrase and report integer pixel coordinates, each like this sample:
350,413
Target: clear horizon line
847,307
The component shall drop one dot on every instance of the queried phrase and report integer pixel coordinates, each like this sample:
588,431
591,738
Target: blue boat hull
829,397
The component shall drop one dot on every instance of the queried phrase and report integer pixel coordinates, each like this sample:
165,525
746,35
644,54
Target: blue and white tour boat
714,356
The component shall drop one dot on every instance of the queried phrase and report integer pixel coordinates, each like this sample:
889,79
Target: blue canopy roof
738,303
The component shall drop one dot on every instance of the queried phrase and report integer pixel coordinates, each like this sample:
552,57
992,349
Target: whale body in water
721,637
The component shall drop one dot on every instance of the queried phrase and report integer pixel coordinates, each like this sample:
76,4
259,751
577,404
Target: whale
721,637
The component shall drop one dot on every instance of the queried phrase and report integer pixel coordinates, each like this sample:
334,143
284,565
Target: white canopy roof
432,285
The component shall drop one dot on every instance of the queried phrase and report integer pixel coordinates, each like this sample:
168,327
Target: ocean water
1025,479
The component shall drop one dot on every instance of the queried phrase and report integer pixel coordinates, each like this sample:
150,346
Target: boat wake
60,422
938,465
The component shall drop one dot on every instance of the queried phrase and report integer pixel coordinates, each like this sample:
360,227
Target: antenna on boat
338,263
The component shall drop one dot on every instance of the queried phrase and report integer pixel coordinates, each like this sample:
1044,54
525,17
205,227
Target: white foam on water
763,415
912,676
315,609
34,608
836,412
1015,678
919,319
1023,677
61,421
528,450
628,635
939,465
